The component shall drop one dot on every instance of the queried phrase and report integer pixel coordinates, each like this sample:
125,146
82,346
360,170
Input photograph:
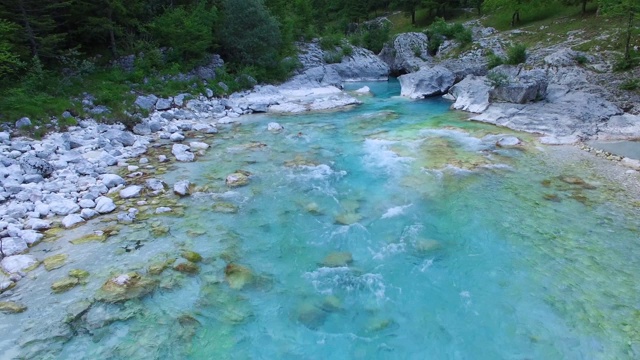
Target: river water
393,230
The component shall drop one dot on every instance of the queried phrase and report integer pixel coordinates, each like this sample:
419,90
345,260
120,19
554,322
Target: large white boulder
426,82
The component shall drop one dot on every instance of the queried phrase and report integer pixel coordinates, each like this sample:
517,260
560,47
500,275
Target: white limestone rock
130,192
182,153
112,180
182,188
104,205
18,263
72,220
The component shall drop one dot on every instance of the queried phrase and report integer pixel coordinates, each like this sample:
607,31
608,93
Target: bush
497,79
516,54
332,57
374,38
331,41
631,85
581,59
439,30
494,60
347,50
623,63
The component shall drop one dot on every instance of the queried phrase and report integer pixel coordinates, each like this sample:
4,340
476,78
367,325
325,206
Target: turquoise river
393,230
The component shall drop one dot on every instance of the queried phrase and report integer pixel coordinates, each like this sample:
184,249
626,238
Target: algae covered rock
79,274
337,259
191,256
238,178
311,315
348,218
224,207
238,276
159,267
55,261
186,267
125,287
12,307
426,245
65,284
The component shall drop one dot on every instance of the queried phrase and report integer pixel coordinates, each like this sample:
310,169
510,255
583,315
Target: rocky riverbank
554,93
94,170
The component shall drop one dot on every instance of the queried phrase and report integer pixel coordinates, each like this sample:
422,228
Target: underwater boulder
125,287
64,285
54,262
238,276
12,307
311,315
337,259
238,178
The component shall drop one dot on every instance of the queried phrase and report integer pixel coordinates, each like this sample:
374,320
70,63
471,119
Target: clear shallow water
461,249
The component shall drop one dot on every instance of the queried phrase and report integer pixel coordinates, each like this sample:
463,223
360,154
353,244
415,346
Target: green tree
249,34
41,24
409,7
9,59
188,32
630,11
103,23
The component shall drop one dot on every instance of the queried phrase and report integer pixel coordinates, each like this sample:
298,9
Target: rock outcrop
426,82
407,53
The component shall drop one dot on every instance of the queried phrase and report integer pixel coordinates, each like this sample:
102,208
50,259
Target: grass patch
630,85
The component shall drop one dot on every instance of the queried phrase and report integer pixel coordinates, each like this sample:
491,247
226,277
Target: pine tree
41,24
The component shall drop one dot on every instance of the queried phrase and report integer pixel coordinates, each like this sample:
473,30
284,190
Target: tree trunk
515,18
31,37
413,17
584,7
627,46
112,35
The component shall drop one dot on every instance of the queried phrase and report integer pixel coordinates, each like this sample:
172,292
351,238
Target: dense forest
55,49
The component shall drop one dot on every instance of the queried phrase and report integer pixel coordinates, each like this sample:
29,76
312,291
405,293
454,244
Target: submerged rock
182,188
78,274
508,141
237,179
187,267
191,256
311,315
55,261
238,276
125,287
65,284
337,259
12,307
274,127
348,218
224,207
426,245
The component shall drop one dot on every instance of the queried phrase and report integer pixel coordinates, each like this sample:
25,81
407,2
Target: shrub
497,79
439,30
630,84
581,59
494,60
516,54
374,38
347,50
332,57
331,41
623,63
